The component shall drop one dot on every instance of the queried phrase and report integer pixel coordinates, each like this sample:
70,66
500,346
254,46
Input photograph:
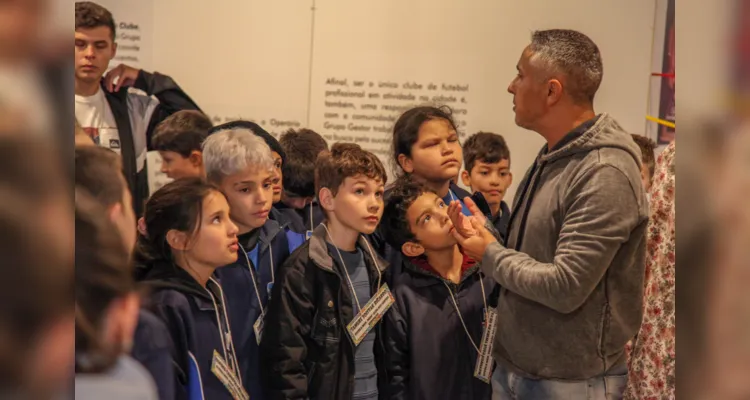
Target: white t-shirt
97,120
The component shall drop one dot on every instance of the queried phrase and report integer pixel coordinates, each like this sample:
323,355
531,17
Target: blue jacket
266,249
501,220
285,221
152,347
198,326
304,220
429,354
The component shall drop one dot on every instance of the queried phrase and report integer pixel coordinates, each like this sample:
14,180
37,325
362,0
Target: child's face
358,204
436,155
429,222
176,166
490,179
215,241
250,195
278,177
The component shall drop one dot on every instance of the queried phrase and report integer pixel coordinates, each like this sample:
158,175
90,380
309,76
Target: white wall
252,59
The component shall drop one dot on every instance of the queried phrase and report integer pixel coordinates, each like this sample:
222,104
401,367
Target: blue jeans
508,386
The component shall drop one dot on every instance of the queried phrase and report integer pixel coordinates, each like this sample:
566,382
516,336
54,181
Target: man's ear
325,198
177,240
412,249
465,178
406,163
196,158
554,91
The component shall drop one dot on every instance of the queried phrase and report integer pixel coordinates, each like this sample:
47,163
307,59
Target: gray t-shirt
365,371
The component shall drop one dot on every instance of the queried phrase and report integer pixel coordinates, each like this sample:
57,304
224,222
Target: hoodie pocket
603,327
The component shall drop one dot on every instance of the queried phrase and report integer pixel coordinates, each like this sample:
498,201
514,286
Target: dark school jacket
303,220
244,307
152,348
194,322
306,350
429,355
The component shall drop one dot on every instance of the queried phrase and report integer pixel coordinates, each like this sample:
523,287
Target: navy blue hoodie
304,220
261,253
429,354
152,348
197,322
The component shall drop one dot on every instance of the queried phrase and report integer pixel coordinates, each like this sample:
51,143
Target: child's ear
412,249
196,158
406,163
177,240
465,178
325,198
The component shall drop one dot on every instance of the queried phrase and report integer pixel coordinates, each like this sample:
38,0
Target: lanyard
455,304
225,336
311,215
252,276
349,279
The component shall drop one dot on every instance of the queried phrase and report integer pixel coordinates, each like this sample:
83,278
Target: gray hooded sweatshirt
127,380
572,273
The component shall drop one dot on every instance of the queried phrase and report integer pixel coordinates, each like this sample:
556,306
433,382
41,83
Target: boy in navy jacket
240,163
434,331
487,171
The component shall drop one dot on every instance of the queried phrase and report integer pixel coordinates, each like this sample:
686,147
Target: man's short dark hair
91,15
573,54
647,147
302,148
182,132
343,161
394,225
485,147
99,171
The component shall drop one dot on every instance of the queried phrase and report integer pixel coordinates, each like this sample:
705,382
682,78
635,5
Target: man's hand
474,246
125,75
470,232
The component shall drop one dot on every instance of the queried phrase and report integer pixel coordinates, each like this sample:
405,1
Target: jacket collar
424,275
319,255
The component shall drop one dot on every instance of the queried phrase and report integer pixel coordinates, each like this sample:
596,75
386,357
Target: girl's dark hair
177,205
406,130
103,273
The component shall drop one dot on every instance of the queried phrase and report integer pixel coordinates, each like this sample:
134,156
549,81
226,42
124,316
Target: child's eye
216,220
441,204
504,174
244,190
426,219
484,173
359,191
266,186
379,194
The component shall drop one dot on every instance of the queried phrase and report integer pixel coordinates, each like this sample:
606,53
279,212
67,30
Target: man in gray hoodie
572,268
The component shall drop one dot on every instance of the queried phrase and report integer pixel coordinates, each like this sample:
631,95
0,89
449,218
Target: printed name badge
227,377
483,368
370,314
258,328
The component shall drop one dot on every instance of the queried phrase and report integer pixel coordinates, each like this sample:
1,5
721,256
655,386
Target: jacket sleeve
602,209
152,347
170,95
397,354
176,325
283,347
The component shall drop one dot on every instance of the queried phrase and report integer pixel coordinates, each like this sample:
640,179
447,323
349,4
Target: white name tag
227,377
483,368
370,314
258,328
